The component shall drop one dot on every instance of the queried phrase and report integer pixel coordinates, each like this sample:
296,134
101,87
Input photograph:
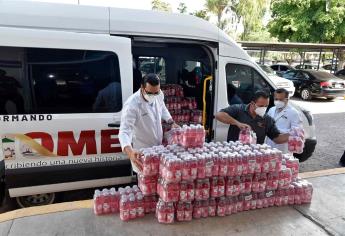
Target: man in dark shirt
252,116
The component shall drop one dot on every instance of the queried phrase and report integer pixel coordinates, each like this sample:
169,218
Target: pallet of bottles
299,192
219,175
225,177
129,202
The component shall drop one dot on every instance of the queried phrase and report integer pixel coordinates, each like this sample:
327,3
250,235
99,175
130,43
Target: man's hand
243,126
134,156
174,125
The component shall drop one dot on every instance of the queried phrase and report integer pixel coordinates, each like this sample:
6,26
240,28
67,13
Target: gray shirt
262,126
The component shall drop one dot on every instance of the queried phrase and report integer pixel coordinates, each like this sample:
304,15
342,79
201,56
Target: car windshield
267,69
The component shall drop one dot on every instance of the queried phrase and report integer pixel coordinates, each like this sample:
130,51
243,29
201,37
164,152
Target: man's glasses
152,94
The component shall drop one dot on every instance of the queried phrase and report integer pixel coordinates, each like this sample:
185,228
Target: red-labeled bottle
247,202
254,201
221,206
140,205
212,207
197,210
180,211
106,201
221,186
98,202
214,187
188,211
240,203
204,205
124,208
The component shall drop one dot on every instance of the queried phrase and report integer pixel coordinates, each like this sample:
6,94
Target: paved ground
324,216
322,105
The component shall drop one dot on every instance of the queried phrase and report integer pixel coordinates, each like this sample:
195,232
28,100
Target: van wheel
330,98
305,94
36,200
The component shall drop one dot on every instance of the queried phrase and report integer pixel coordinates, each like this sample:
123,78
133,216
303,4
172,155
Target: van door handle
113,125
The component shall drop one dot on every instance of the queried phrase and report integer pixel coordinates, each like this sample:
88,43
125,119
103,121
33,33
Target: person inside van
109,99
285,116
252,116
141,119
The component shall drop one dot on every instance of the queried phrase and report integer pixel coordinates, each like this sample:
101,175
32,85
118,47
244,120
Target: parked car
341,74
330,67
279,81
281,69
310,83
306,67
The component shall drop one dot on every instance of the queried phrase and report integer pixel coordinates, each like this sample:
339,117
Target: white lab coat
285,121
141,122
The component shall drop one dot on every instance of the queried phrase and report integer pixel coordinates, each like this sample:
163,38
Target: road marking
41,210
320,173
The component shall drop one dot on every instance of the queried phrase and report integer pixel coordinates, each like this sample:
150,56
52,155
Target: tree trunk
341,60
219,19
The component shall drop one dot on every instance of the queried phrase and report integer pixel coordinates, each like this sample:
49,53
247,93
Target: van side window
59,81
14,88
154,65
259,82
242,82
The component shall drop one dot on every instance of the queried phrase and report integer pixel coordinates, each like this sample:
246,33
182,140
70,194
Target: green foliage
219,7
159,5
182,8
318,21
201,14
251,12
261,35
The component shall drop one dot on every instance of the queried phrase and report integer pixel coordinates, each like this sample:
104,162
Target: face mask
260,111
149,98
279,104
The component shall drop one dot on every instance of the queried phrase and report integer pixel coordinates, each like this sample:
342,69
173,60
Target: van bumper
309,148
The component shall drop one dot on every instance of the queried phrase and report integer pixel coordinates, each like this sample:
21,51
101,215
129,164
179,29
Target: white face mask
279,104
149,98
260,111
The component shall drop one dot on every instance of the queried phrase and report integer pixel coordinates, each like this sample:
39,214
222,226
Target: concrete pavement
324,216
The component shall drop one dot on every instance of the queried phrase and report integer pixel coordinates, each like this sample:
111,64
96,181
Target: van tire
36,200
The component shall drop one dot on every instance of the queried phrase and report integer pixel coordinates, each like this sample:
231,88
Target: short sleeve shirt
262,126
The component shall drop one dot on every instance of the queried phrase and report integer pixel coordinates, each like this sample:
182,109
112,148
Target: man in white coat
285,116
141,119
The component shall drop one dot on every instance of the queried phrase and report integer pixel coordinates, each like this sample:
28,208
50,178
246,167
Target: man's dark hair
260,94
151,79
282,90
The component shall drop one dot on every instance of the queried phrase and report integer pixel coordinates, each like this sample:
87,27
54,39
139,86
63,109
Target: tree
260,35
182,8
251,12
159,5
219,7
201,14
316,21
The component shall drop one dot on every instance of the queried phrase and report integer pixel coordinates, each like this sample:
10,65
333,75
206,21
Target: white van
59,128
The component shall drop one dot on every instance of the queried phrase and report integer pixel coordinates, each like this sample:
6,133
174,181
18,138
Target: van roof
107,20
